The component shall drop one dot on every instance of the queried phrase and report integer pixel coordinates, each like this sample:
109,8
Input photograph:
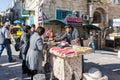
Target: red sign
40,15
74,20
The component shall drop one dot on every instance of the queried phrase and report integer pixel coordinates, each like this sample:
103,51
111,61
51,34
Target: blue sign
115,22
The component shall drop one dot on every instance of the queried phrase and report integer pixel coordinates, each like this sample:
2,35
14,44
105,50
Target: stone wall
51,7
109,10
114,11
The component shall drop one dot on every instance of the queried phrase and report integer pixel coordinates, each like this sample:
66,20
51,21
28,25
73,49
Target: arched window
97,17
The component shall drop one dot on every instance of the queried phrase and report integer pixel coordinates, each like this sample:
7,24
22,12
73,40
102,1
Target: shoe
13,60
28,74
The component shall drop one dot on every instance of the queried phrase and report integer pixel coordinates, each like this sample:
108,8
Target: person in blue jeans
91,42
5,41
8,48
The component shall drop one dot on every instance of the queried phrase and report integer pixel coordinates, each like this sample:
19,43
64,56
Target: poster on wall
115,22
110,38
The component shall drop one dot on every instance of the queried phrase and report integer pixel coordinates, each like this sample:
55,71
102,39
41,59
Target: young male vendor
70,34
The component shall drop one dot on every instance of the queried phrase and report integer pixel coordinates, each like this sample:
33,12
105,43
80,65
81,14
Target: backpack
24,46
17,44
2,37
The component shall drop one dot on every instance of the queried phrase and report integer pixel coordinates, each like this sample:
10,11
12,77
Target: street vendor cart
67,62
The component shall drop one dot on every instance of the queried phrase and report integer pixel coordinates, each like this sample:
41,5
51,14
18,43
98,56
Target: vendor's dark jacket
69,36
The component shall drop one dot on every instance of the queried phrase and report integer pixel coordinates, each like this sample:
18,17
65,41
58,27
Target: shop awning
93,27
56,21
17,22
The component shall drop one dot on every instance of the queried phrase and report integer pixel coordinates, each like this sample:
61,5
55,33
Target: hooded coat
34,56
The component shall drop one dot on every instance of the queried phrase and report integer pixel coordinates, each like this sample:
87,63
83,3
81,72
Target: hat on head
7,24
68,26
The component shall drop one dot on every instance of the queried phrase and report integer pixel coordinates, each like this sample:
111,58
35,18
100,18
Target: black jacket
69,36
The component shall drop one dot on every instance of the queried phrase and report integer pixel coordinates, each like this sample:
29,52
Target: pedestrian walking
5,41
34,56
91,42
24,45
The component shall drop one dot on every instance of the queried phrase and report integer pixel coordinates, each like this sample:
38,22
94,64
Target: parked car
17,31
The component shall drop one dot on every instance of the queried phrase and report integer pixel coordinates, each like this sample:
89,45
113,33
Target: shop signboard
71,19
41,16
25,12
115,22
74,20
110,38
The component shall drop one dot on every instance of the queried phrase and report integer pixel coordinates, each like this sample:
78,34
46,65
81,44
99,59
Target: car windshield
17,29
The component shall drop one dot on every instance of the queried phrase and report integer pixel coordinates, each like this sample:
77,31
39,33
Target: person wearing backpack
24,45
5,41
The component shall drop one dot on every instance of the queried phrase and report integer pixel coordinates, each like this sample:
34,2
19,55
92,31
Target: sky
4,4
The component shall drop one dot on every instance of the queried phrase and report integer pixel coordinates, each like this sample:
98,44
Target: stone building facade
50,6
102,11
97,12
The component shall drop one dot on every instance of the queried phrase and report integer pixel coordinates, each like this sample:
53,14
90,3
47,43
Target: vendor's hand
54,40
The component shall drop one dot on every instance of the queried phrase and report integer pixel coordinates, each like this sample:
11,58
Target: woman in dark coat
34,56
24,45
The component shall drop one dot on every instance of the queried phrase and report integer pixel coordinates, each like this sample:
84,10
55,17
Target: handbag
17,48
17,45
25,48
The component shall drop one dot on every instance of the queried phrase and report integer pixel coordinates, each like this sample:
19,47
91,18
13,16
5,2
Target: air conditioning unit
85,17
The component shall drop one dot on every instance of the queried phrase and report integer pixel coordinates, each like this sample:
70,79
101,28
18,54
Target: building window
97,18
116,1
64,14
61,14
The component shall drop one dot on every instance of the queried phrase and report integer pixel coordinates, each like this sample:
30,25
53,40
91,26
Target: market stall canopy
56,21
17,22
93,27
